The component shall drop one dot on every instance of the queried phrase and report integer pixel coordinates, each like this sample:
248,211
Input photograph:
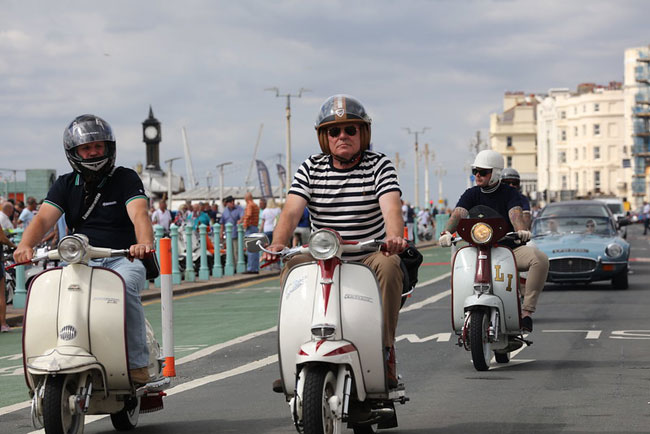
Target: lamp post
417,156
440,171
288,111
169,181
220,167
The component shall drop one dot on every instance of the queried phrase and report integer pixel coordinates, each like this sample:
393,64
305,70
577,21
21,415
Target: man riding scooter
491,192
354,191
511,177
109,206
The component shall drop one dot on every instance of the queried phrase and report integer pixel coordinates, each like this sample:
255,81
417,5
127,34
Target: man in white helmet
489,191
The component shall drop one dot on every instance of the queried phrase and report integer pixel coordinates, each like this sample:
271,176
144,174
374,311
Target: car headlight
614,250
481,233
72,249
323,244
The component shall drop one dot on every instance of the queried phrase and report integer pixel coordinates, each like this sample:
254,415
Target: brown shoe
391,369
278,386
139,375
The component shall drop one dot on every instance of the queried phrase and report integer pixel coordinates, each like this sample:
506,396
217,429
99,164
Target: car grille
571,265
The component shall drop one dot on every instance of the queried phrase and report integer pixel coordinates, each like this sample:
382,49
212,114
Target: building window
624,150
575,178
584,152
561,156
575,154
597,152
596,129
575,110
564,185
584,108
596,107
509,141
563,135
509,161
575,131
597,180
563,114
584,130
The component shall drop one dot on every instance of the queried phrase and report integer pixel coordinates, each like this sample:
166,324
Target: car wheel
620,280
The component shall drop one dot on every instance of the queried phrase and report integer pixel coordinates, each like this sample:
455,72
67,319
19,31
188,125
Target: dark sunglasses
511,183
482,172
350,130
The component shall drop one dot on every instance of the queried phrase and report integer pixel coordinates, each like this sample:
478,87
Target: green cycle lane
201,320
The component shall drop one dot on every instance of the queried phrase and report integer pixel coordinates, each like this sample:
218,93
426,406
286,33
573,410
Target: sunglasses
482,172
590,225
350,130
511,183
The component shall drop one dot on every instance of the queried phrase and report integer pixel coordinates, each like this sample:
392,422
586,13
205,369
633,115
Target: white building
581,143
636,93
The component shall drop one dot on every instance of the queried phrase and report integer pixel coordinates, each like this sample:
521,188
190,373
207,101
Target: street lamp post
289,174
440,171
169,181
417,157
220,167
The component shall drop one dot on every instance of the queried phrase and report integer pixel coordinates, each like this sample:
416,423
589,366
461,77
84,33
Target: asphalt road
588,371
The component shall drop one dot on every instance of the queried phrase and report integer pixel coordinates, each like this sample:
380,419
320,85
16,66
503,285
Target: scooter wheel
478,340
57,418
320,386
127,418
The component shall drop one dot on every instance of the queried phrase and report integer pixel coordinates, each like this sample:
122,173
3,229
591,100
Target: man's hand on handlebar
275,247
394,245
139,251
23,254
523,235
445,239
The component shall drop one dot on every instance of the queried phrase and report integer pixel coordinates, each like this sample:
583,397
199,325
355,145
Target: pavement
15,316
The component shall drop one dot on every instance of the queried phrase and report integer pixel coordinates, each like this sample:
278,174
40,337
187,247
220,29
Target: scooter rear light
483,288
323,331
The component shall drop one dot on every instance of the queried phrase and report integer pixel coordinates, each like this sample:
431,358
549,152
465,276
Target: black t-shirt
108,225
502,200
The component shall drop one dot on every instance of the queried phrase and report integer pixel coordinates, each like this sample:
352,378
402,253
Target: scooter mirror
251,242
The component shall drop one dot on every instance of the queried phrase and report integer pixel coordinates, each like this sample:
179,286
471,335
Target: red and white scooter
74,344
485,297
330,339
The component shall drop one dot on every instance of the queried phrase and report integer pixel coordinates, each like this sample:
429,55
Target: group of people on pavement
346,187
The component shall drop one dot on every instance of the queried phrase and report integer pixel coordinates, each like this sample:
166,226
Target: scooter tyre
480,347
56,414
320,385
126,419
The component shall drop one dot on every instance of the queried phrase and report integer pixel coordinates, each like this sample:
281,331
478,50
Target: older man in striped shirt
356,192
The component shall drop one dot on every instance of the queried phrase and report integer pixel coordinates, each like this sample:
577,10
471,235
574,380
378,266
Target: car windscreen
572,225
615,208
595,210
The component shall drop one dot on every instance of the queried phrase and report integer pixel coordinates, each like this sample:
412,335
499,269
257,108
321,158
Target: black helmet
342,108
87,129
511,176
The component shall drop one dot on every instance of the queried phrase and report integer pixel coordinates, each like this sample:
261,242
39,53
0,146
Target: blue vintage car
582,243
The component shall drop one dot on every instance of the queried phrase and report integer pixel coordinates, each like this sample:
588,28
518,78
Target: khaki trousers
389,275
534,261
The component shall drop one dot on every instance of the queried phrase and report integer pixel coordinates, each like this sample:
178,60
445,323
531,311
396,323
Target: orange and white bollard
167,307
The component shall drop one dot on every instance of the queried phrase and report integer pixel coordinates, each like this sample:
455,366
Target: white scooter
330,339
74,344
485,298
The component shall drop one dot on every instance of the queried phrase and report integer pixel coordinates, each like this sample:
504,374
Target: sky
205,64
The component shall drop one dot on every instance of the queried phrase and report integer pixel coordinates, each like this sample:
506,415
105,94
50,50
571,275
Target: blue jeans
133,274
253,258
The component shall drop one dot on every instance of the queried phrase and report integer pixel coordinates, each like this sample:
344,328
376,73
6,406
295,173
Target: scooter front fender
335,353
488,301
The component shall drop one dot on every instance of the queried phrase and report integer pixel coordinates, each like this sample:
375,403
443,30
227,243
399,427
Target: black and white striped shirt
347,200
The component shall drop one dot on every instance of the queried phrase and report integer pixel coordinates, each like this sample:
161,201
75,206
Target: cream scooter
74,344
330,339
485,296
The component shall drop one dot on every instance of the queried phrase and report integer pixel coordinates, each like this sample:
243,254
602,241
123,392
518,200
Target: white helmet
489,159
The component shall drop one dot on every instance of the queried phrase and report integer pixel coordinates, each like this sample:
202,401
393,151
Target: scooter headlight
323,244
72,249
481,233
614,250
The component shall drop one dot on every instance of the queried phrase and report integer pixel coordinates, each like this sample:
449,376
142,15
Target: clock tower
152,137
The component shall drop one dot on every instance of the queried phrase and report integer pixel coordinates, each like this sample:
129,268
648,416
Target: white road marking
591,334
414,339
